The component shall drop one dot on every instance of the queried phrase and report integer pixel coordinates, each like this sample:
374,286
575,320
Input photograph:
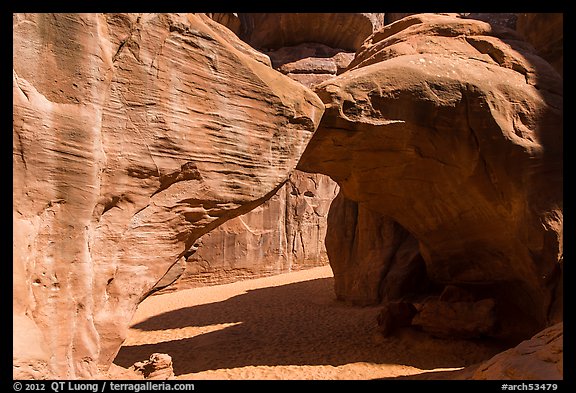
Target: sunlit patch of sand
288,326
351,371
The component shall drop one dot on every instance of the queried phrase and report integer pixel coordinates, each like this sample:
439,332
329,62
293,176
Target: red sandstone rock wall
283,234
133,136
136,135
452,128
287,232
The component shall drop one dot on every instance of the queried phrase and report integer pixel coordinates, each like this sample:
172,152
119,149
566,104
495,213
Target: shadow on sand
294,324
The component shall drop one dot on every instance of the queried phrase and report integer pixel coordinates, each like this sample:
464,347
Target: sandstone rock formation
395,315
308,47
310,63
133,136
372,256
283,234
158,367
115,372
471,319
450,128
337,30
539,358
147,147
287,232
503,19
230,20
546,32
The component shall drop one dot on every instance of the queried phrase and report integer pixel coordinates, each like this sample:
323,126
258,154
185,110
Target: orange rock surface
133,136
452,129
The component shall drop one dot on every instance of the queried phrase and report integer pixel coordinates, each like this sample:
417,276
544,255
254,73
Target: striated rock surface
230,20
133,136
283,234
452,128
309,47
337,30
287,232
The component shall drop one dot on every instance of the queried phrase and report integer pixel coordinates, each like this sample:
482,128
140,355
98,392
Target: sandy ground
288,326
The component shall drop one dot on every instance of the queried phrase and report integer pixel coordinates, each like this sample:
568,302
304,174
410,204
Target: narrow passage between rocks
288,326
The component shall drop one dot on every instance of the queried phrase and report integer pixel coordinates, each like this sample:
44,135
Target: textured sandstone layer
133,136
283,234
287,232
309,47
503,19
338,30
452,129
230,20
310,63
280,235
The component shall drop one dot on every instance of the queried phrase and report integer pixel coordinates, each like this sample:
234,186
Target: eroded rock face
452,128
505,19
310,63
230,20
539,358
309,47
158,367
133,136
287,232
338,30
372,256
469,319
283,234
